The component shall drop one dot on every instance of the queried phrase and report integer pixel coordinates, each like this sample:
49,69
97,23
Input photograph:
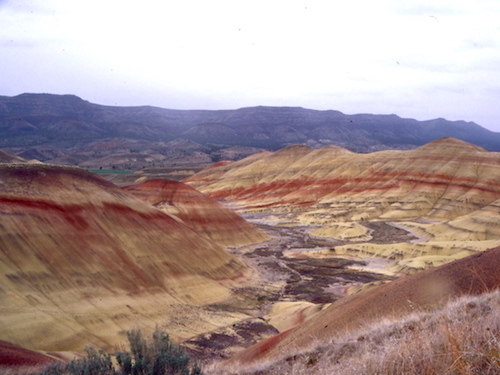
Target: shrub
160,356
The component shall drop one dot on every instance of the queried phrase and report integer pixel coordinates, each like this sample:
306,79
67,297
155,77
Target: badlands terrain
83,261
251,264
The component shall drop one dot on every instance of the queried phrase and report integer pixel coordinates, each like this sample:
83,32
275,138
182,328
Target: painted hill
444,179
82,261
423,291
202,214
64,129
447,192
300,176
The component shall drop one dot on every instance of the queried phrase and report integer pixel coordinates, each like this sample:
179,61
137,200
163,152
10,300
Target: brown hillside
82,261
472,275
202,214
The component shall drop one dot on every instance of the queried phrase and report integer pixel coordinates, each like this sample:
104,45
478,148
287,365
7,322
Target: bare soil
287,278
308,279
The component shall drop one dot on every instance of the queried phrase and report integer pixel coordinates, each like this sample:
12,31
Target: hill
424,291
5,157
441,171
82,261
12,356
65,129
204,215
446,193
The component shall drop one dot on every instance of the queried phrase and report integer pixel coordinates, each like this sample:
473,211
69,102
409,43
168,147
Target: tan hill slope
5,157
446,193
82,261
202,214
419,292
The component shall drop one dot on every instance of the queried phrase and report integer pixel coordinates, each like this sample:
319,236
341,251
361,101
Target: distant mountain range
65,129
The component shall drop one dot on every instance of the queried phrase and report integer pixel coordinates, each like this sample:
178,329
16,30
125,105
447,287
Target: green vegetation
159,356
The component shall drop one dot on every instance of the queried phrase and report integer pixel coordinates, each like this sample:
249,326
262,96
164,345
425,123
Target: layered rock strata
203,214
445,193
82,261
441,180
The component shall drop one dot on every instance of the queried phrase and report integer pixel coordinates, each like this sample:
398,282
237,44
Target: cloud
360,55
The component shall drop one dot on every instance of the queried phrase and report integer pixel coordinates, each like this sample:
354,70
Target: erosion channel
290,274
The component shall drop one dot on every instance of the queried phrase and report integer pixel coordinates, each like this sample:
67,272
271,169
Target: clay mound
12,356
469,276
202,214
442,180
449,144
83,261
5,157
480,225
218,170
445,194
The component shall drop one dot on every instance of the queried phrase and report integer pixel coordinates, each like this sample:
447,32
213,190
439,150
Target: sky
420,59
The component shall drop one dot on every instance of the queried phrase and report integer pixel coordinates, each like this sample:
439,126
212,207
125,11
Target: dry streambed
293,284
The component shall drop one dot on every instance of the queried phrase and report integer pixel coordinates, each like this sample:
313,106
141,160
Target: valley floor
296,280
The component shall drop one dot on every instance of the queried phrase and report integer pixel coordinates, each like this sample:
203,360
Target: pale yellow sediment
343,231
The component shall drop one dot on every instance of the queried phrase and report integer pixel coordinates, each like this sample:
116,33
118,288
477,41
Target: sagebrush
158,356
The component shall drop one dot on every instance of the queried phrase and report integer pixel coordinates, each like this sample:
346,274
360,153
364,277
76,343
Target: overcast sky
417,58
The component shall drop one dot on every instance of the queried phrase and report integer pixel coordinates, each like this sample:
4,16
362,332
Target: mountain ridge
65,129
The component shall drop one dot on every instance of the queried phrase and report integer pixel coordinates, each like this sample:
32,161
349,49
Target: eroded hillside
422,292
445,193
82,261
202,214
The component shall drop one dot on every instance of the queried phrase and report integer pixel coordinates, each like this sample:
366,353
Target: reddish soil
202,214
15,356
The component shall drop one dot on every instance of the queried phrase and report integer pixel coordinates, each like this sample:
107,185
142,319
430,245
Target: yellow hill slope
81,261
445,192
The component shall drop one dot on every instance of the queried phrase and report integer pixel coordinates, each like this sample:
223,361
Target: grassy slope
461,337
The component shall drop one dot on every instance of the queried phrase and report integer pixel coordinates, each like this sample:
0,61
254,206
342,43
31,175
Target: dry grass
462,337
